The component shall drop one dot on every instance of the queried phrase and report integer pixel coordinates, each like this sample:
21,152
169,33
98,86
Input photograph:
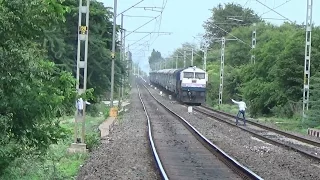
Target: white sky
184,20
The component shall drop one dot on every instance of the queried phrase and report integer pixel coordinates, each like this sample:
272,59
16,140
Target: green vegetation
57,163
37,85
273,86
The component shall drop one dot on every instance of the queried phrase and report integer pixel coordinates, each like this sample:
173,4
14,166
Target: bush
56,163
94,110
106,113
93,139
282,111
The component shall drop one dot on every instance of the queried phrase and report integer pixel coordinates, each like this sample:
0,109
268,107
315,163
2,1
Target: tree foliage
273,85
225,18
37,68
155,60
61,43
176,58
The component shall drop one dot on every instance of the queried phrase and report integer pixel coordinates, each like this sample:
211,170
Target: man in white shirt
242,110
80,106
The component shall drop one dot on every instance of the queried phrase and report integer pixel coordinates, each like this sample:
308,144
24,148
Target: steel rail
308,141
223,156
153,148
221,119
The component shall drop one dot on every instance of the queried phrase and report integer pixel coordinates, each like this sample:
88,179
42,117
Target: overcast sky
184,20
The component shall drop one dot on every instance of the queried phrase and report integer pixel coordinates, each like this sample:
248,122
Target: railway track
180,151
305,146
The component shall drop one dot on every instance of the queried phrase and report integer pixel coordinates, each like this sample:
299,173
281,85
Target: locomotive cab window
188,75
200,76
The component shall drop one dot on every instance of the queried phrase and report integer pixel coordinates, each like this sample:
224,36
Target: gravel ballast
126,153
267,160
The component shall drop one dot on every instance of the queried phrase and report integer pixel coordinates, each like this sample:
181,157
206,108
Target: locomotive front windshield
188,75
200,75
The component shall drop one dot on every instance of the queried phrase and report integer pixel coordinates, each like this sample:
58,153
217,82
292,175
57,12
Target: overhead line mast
307,58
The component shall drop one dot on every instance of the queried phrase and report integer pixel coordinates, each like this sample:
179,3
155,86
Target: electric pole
205,59
192,57
184,59
253,45
113,51
307,58
82,68
121,59
177,61
124,59
221,70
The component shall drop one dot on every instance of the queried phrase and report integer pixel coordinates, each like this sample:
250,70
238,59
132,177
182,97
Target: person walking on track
242,110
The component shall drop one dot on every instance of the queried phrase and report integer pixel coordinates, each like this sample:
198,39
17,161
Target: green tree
178,56
314,113
33,91
223,20
61,43
154,59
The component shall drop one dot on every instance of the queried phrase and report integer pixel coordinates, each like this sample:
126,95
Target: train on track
187,84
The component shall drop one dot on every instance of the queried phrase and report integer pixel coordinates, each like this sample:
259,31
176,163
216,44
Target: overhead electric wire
274,11
130,7
151,34
276,7
231,35
142,26
139,16
164,3
141,39
246,3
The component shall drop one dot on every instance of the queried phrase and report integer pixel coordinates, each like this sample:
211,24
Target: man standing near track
80,104
242,110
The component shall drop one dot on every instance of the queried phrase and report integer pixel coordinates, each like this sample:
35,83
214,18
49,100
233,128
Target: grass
288,124
57,163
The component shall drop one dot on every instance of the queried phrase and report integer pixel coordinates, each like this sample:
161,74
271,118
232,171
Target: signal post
79,141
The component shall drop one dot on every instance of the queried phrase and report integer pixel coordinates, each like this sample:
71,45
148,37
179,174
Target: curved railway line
181,151
305,146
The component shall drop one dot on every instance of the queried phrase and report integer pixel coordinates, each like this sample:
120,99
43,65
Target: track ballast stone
126,153
266,160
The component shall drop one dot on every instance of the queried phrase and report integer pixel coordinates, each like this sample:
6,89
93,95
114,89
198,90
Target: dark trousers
243,115
80,112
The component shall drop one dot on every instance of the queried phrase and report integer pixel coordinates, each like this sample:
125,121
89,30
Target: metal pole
121,38
85,71
126,62
78,71
113,51
192,57
184,58
205,59
221,70
121,59
82,65
253,44
134,69
173,62
124,44
177,61
307,58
